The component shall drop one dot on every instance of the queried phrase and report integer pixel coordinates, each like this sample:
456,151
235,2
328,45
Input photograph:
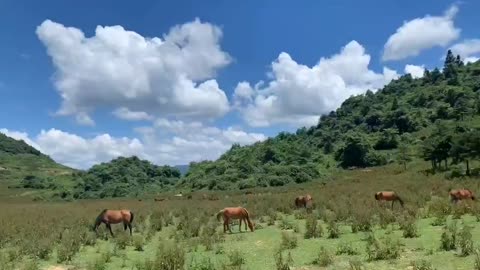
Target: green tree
404,152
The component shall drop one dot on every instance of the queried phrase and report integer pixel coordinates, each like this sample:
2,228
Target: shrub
361,223
448,238
356,264
422,265
346,248
204,264
122,240
170,256
138,242
465,242
333,230
324,258
69,245
29,265
236,258
409,227
382,249
289,241
312,228
476,265
439,221
281,263
286,224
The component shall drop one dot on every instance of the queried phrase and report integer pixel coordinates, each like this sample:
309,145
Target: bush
312,228
236,258
422,265
138,242
122,240
204,264
346,248
382,249
465,242
356,264
409,227
69,245
333,230
289,241
286,224
324,258
448,238
281,263
361,223
170,256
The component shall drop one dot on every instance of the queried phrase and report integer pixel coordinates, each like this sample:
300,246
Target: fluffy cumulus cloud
469,50
422,33
166,142
299,94
123,71
415,71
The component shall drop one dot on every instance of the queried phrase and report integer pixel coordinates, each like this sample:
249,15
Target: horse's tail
219,214
131,216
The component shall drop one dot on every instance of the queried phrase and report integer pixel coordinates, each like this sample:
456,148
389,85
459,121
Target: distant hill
21,165
182,168
431,118
123,177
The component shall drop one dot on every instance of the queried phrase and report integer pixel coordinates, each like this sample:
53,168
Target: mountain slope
21,164
367,130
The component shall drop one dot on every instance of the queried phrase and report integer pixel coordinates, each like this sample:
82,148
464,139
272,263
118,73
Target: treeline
124,177
371,129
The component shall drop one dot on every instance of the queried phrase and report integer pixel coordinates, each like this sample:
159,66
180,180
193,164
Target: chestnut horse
235,213
460,194
113,217
303,201
388,196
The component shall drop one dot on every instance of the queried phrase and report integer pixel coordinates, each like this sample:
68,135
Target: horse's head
251,225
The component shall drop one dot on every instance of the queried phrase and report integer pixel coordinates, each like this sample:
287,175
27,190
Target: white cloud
415,71
420,34
166,142
115,68
469,50
298,94
125,114
471,59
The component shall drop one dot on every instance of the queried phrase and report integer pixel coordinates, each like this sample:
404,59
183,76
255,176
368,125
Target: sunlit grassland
59,233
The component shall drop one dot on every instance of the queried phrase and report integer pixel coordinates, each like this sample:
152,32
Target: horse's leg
130,228
240,225
110,229
245,221
228,225
124,226
392,204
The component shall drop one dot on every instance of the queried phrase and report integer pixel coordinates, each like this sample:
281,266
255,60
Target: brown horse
388,196
460,194
235,213
303,201
113,217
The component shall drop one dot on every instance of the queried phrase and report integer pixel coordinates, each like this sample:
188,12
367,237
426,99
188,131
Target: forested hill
408,117
12,146
123,177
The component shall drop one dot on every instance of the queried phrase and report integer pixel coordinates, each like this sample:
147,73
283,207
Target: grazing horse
113,217
235,213
460,194
303,201
388,196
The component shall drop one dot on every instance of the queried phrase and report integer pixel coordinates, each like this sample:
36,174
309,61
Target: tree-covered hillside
124,177
428,117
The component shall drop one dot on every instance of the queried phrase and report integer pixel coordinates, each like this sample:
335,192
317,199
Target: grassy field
347,229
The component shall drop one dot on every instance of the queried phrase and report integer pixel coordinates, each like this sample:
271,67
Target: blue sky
364,44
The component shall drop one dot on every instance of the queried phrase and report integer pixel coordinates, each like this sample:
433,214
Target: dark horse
114,217
388,196
303,201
